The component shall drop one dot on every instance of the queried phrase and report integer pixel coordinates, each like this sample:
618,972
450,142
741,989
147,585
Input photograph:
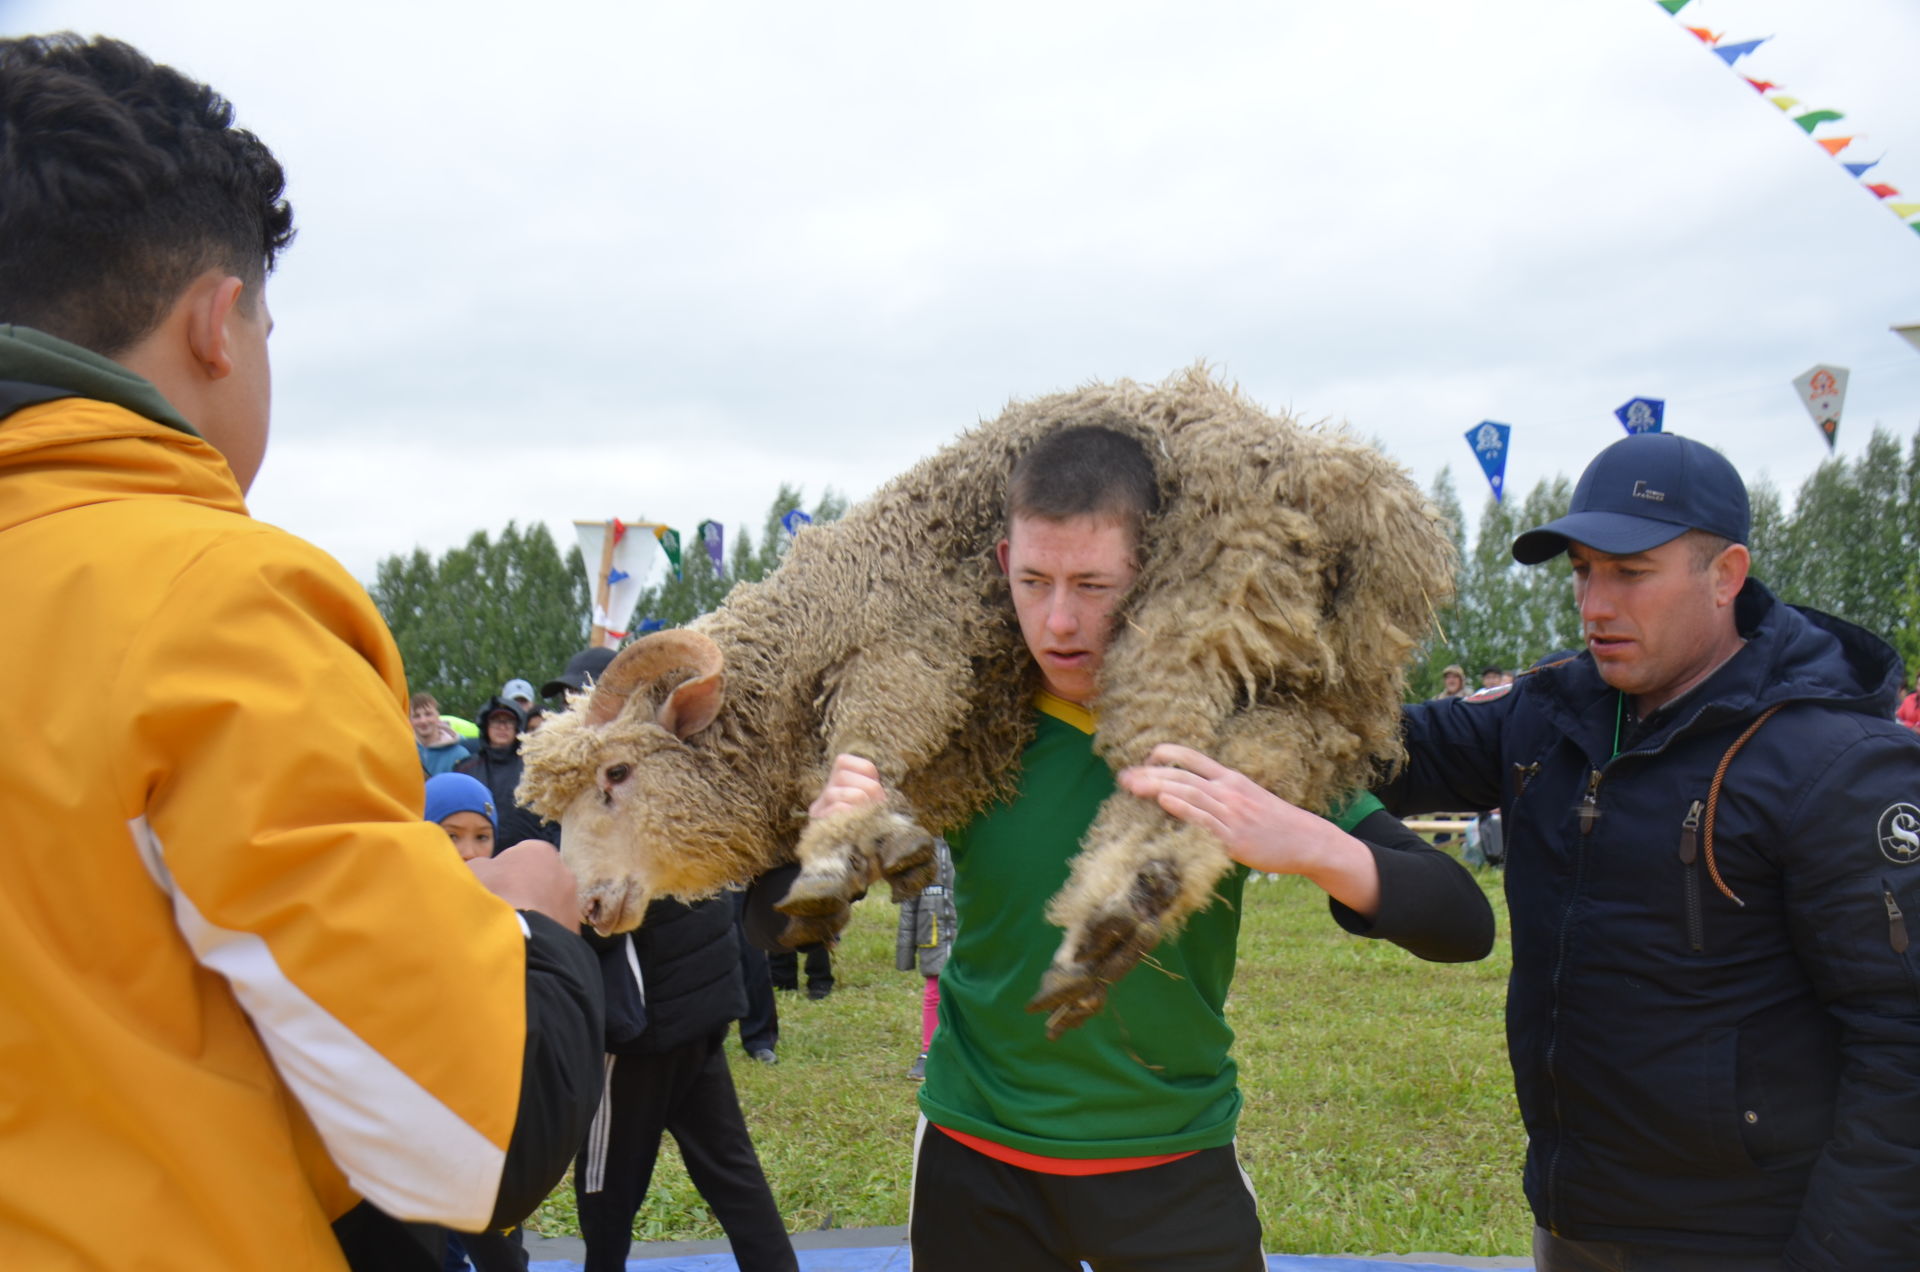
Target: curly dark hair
121,181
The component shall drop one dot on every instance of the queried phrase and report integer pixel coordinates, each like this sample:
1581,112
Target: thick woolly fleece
1283,584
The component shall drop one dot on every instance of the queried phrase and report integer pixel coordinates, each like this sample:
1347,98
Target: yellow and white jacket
242,983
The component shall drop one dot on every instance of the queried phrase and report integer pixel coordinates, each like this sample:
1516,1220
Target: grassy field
1379,1113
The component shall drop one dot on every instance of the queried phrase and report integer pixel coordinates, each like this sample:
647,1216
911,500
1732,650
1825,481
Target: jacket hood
33,357
85,436
1792,654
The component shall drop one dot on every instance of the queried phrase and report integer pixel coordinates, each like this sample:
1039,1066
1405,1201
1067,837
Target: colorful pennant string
1808,120
1731,53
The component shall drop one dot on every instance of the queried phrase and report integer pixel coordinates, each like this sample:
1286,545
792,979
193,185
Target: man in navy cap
1713,843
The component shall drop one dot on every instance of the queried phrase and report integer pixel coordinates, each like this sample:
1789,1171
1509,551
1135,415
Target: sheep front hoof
818,891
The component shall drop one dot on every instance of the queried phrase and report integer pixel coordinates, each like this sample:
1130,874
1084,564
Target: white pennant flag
1823,390
617,570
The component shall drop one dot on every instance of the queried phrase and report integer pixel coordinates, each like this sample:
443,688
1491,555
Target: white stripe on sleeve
400,1147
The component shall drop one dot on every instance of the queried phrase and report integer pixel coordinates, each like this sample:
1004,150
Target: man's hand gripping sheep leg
853,839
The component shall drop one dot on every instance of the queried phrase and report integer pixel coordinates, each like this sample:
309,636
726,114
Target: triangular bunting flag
619,562
1883,191
1860,169
1760,86
1833,145
1489,441
1731,53
1784,102
1904,210
1812,119
1672,6
1704,36
1823,391
712,536
670,544
1642,415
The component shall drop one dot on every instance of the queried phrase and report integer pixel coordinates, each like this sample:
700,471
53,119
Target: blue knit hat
450,793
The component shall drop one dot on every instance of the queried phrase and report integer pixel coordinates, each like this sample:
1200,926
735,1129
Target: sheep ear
693,706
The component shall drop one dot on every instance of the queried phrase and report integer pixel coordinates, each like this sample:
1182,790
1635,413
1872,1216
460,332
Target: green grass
1379,1111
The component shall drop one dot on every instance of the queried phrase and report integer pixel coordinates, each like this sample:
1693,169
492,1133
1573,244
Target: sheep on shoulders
1282,586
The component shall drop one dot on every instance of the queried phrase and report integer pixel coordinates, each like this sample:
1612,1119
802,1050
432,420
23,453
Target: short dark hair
1707,547
1084,470
121,181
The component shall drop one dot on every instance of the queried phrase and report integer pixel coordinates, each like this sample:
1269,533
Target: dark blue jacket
1696,1072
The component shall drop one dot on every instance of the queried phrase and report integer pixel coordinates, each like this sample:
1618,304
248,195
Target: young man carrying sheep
1114,1144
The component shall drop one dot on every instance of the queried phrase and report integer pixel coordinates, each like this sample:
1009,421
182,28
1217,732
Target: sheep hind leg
1106,947
842,855
1133,890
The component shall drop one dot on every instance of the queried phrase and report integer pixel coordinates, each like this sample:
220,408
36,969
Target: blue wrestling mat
894,1259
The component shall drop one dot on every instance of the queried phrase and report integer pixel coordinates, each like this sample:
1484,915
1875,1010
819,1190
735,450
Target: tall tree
1852,541
484,613
1436,651
1510,615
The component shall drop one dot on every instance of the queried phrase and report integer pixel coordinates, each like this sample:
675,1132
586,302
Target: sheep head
633,791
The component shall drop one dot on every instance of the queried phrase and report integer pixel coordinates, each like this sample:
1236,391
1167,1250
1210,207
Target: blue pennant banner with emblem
1641,415
1489,441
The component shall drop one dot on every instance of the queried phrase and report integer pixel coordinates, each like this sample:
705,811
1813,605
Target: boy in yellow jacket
247,996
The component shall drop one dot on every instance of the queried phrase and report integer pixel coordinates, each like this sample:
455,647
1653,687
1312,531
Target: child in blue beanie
463,807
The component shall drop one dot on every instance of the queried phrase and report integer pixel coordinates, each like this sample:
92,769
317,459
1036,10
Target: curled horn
646,661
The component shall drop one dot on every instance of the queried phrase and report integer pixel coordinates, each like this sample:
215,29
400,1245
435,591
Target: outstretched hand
852,782
1257,827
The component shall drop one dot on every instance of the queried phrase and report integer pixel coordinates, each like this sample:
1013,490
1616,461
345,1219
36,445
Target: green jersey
1150,1073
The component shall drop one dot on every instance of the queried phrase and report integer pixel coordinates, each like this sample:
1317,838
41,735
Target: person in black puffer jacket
674,990
498,764
1713,873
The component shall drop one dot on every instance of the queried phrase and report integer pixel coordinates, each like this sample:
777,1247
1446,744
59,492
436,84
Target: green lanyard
1619,715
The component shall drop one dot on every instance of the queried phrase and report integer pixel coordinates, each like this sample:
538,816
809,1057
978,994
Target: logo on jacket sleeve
1900,834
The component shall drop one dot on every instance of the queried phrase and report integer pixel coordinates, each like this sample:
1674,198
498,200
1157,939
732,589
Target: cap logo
1640,491
1900,834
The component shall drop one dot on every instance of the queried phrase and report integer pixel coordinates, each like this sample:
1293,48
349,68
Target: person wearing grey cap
1713,863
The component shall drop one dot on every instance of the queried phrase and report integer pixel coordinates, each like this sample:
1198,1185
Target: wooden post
601,588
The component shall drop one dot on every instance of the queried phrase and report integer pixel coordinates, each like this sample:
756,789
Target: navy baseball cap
582,670
1641,492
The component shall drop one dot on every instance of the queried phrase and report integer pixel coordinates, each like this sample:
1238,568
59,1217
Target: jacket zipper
1522,774
1690,858
1896,922
1589,813
1590,804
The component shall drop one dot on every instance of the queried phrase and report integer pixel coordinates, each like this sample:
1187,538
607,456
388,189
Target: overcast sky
650,260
